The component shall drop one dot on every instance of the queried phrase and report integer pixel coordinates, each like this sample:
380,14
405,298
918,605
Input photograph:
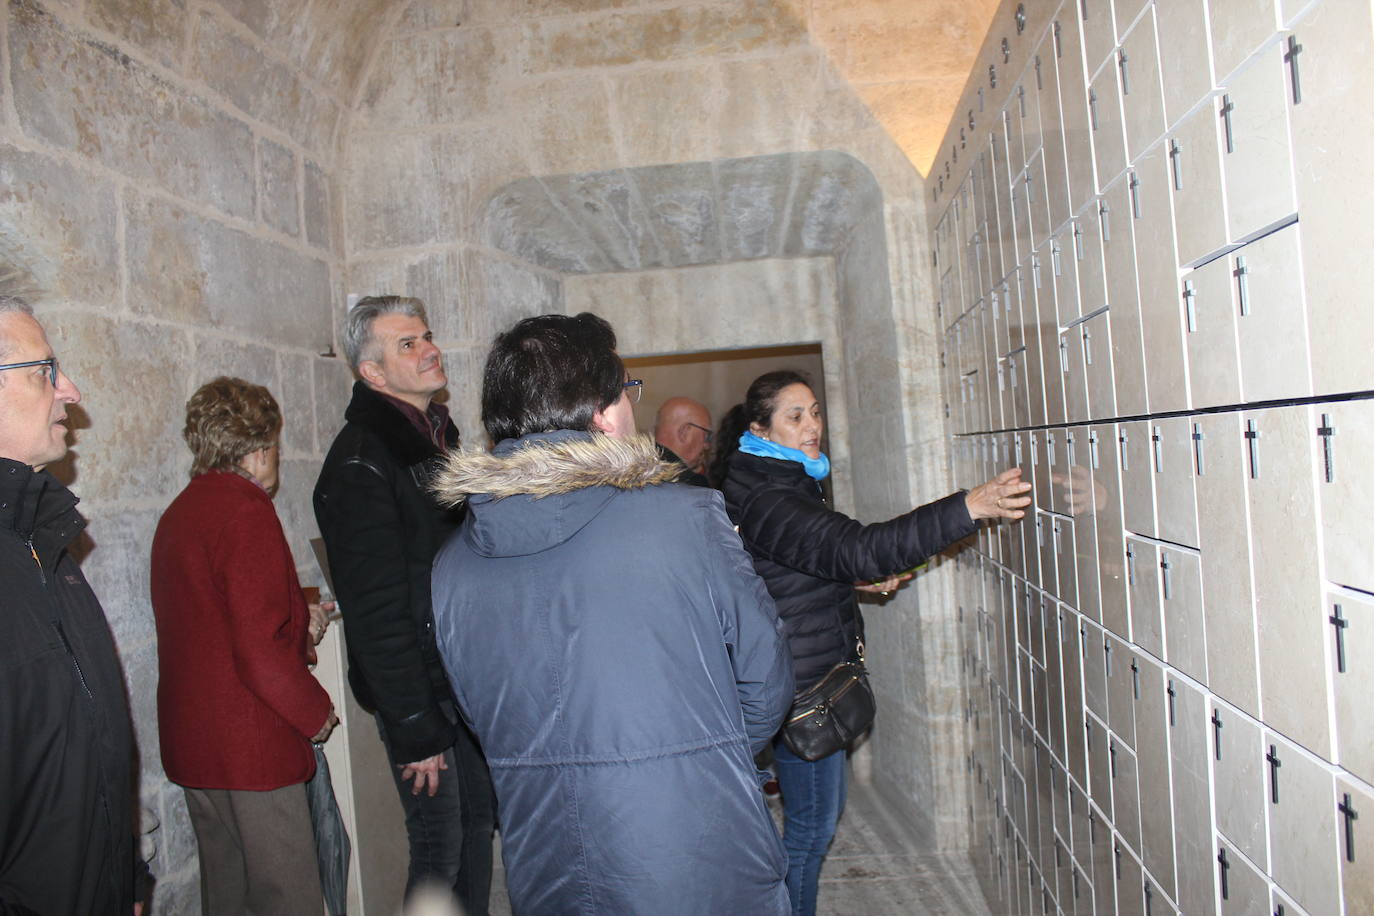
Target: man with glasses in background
66,741
683,432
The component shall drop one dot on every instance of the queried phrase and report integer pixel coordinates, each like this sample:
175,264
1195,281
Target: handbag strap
858,639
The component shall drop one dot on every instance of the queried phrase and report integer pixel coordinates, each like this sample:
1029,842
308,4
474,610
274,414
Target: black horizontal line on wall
1354,588
1191,412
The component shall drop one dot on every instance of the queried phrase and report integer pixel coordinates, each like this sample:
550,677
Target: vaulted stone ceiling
907,59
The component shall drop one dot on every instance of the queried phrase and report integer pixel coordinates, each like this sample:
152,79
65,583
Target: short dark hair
550,372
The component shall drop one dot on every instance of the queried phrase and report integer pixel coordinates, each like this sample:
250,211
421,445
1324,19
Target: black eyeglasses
634,389
50,362
710,433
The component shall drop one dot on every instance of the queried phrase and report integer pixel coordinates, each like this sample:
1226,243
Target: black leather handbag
829,716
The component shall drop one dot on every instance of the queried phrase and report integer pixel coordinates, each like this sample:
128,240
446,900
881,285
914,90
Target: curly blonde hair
226,419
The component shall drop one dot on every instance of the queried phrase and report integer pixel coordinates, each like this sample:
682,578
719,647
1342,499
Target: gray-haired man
381,529
66,744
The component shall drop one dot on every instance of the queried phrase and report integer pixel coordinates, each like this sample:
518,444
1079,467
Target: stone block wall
168,194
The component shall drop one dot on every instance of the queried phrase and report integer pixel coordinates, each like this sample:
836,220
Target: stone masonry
193,187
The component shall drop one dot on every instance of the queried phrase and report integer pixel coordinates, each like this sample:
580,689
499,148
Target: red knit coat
236,705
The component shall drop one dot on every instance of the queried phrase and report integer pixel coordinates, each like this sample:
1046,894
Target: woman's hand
330,721
319,619
1000,497
890,584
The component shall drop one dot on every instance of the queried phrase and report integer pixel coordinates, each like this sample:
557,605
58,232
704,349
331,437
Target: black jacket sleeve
365,540
754,635
787,527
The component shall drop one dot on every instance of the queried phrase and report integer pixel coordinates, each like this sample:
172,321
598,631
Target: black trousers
451,832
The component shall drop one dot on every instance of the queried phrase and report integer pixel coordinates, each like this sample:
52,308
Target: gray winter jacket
621,663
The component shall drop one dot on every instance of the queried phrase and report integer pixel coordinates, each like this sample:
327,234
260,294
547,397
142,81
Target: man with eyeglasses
66,741
610,644
683,432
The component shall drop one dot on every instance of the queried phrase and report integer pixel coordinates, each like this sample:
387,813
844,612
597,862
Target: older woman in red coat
237,707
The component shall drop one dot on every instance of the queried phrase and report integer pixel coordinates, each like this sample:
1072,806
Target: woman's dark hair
731,427
550,372
759,403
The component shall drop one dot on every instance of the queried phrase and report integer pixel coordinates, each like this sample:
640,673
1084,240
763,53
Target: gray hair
11,304
15,304
358,343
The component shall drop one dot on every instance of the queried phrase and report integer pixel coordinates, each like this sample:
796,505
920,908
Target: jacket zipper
57,624
80,676
42,576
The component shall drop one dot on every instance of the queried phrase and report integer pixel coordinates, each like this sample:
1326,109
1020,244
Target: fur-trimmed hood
532,493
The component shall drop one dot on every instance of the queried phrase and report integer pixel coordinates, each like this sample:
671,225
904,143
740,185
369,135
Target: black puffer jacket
381,529
66,744
810,556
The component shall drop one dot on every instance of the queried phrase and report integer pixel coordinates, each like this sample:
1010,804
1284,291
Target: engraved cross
1226,108
1252,435
1290,57
1348,812
1340,622
1326,431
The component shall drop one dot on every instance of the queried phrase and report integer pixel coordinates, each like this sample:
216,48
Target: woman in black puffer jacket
812,559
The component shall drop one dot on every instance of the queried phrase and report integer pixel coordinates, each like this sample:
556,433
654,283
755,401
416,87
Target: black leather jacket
810,556
382,528
66,743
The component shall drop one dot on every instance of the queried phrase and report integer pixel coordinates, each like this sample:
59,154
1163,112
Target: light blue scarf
816,468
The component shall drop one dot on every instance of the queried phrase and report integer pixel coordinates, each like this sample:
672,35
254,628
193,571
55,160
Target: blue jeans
451,833
813,796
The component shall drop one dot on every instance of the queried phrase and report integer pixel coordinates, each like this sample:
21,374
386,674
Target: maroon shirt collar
431,423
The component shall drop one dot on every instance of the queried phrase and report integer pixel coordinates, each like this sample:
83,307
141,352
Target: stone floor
874,869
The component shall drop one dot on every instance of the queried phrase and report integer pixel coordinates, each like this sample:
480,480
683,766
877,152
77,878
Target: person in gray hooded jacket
610,645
